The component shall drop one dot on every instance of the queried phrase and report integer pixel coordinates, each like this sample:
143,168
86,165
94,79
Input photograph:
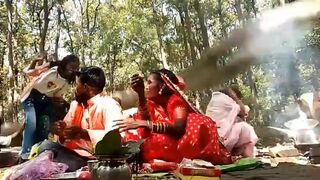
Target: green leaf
124,150
110,144
134,147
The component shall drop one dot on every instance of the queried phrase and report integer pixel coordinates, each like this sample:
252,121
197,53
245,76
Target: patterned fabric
200,140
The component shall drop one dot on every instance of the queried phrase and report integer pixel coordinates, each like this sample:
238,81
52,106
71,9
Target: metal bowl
301,124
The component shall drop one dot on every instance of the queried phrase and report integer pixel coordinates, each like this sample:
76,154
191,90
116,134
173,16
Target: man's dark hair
92,76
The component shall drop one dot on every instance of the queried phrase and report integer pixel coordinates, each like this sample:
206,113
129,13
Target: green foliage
111,145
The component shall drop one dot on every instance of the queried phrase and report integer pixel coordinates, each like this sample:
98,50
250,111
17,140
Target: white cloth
308,98
235,132
224,110
5,140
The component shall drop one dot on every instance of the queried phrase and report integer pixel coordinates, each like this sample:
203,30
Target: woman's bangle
165,125
148,124
160,127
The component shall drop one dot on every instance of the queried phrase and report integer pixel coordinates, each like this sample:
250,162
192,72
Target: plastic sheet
40,167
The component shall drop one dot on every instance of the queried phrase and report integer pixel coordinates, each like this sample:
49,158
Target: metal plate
301,124
66,176
305,146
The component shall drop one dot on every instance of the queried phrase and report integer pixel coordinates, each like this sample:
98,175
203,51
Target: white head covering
308,98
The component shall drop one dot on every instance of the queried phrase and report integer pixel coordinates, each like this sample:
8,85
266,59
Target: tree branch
95,17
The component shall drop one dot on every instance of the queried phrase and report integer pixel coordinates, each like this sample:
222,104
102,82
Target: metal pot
301,131
110,168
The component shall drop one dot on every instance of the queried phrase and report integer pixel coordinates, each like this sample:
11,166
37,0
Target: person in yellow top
45,89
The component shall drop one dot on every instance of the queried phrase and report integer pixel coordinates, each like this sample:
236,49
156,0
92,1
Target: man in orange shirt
90,117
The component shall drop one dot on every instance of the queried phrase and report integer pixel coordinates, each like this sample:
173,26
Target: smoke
275,28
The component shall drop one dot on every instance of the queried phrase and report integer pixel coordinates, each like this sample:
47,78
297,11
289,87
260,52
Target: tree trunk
184,36
56,47
82,34
11,105
113,67
223,28
68,31
43,32
157,22
237,6
3,51
221,20
204,32
189,31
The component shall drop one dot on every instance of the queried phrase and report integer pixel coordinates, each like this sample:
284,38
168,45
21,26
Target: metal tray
66,176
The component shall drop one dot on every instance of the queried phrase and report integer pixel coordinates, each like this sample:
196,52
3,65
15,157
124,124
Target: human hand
137,84
130,123
58,128
74,132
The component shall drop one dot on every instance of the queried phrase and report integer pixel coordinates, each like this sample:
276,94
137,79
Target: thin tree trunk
221,20
184,35
204,32
43,34
68,31
158,24
95,18
113,67
82,51
189,31
238,9
223,28
11,108
56,47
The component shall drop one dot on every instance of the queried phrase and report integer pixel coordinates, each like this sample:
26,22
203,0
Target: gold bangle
164,127
148,124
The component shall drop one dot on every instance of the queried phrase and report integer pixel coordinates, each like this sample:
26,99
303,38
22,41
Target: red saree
200,140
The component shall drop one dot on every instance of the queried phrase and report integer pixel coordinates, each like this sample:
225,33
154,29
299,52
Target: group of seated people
171,126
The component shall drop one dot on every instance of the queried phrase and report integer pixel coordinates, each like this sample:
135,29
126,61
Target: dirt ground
283,171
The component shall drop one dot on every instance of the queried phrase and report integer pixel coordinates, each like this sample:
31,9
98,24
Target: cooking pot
301,131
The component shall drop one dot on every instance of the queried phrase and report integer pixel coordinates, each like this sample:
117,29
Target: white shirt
52,84
49,83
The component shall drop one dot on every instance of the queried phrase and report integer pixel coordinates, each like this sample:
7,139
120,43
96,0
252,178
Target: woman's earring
160,92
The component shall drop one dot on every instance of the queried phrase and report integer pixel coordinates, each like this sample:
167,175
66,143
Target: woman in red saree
171,127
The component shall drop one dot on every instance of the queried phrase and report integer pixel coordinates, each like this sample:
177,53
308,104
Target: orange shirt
97,119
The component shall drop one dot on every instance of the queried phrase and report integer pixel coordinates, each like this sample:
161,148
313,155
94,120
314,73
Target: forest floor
284,171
